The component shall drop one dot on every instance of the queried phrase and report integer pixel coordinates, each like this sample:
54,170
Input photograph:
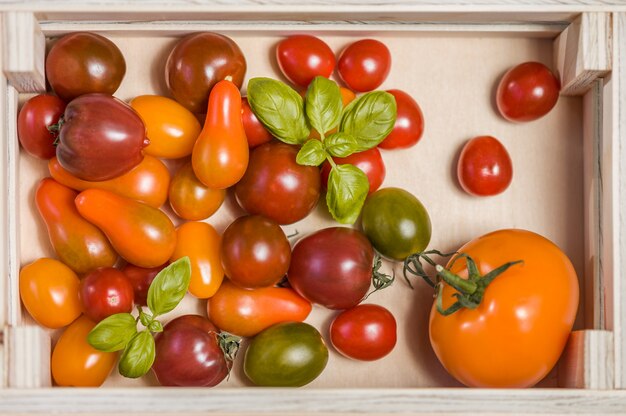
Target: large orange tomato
516,334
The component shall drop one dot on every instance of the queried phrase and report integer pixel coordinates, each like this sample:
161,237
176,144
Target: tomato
105,292
171,128
201,243
255,252
517,332
365,332
409,125
396,223
484,167
370,162
304,57
290,354
49,292
101,138
256,133
364,65
527,92
75,363
36,115
191,199
276,186
197,63
141,278
82,63
246,312
332,267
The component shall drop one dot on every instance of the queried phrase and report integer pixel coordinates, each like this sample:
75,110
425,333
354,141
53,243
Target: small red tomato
141,278
527,92
105,292
484,167
365,332
35,117
303,57
369,161
409,123
256,133
364,65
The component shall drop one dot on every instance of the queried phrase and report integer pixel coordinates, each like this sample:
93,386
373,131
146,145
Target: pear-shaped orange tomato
78,243
141,234
220,155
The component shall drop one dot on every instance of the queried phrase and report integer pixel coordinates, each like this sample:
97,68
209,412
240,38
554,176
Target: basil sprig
119,332
361,125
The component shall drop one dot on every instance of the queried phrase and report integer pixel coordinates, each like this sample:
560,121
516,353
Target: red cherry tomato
369,161
104,292
35,116
256,133
485,167
527,92
409,123
141,278
365,332
364,65
303,57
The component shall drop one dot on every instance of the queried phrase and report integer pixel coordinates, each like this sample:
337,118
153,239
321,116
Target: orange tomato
49,292
246,312
75,363
201,243
191,199
171,128
147,182
517,333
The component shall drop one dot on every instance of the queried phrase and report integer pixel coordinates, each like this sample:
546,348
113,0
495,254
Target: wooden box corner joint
24,52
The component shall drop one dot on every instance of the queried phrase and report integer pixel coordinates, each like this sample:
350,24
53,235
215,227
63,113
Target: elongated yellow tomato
171,128
201,243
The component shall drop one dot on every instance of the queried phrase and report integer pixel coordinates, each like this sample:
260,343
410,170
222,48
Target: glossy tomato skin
36,115
527,92
246,312
75,363
366,332
364,65
516,335
370,162
277,187
396,223
485,167
255,252
105,292
141,278
290,354
409,126
49,292
197,63
256,133
82,63
332,267
303,57
191,199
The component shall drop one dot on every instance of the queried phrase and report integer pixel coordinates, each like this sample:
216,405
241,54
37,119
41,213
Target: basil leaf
138,357
279,108
311,154
169,287
341,144
323,104
347,189
113,333
155,326
370,118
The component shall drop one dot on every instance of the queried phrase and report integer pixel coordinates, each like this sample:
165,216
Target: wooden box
569,185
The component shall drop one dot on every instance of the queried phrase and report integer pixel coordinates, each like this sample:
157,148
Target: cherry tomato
191,199
276,186
518,331
49,292
141,278
527,92
36,115
105,292
409,125
256,133
365,332
75,363
369,161
364,65
303,57
484,167
82,63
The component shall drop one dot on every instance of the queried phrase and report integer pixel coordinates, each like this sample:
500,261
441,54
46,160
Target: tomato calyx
380,280
229,344
55,129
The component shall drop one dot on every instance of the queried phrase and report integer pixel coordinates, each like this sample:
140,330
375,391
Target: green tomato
396,223
289,354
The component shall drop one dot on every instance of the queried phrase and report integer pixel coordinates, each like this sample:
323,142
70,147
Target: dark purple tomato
105,292
36,115
141,278
304,57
